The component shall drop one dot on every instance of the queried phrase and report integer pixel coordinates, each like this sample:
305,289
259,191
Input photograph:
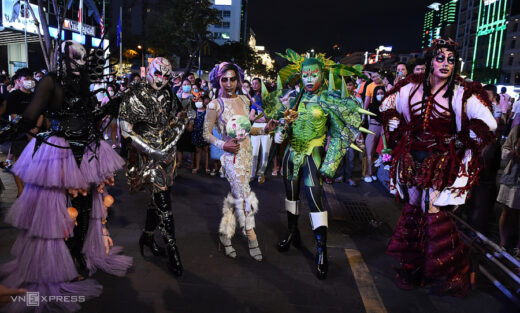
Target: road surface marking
364,281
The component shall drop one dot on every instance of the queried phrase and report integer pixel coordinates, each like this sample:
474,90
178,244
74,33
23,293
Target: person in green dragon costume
307,119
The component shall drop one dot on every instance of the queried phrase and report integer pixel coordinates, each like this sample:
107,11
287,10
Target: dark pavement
282,282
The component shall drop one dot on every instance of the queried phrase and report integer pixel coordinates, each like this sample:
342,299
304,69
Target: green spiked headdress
291,74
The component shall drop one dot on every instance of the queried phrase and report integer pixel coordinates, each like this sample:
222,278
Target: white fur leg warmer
228,222
245,211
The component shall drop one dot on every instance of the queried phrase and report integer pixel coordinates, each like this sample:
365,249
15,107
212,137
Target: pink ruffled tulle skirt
42,260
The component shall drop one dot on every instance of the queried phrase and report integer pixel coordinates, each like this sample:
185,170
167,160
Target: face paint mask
29,84
198,105
186,89
311,77
379,97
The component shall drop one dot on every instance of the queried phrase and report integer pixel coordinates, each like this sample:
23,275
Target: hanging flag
119,32
80,17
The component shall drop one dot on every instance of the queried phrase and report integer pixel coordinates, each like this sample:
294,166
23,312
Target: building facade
233,27
19,43
482,36
511,59
440,20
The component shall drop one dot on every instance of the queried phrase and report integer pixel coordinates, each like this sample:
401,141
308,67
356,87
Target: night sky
354,25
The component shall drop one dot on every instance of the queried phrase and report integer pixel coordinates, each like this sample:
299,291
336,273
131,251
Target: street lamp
142,58
142,54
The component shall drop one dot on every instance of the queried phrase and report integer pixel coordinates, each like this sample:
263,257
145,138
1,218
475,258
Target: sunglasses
441,57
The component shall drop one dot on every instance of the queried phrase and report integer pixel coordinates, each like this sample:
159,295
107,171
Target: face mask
29,84
111,93
186,88
195,90
379,97
37,78
110,79
198,105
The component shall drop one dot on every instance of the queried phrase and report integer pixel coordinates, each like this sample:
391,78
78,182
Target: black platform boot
75,243
293,236
322,264
147,237
166,225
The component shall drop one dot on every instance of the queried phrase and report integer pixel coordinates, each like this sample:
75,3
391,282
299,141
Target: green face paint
312,77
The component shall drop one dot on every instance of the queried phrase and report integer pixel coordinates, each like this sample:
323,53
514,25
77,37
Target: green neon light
496,36
501,37
500,48
489,48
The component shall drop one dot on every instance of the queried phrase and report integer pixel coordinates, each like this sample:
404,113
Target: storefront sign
17,16
74,26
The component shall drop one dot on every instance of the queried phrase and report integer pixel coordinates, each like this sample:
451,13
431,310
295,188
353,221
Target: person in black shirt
16,103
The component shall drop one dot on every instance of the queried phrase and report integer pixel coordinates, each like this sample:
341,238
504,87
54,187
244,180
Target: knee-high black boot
163,202
292,222
147,237
83,205
322,264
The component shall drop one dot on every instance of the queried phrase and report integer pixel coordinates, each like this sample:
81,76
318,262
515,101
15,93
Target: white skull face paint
75,57
159,72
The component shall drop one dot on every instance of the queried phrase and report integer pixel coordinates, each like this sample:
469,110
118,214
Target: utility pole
121,41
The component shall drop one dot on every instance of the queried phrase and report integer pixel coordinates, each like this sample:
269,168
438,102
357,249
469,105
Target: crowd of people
405,124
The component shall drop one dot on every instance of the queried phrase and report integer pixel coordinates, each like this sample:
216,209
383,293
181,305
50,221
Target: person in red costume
437,125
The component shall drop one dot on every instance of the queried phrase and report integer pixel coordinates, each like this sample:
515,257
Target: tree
245,57
183,27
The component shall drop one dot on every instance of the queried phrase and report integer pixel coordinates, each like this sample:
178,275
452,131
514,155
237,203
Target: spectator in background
515,113
256,93
347,163
135,78
4,82
374,125
17,102
491,91
185,145
177,83
509,194
419,66
401,71
113,127
387,78
204,86
246,88
261,145
38,76
505,105
202,147
190,77
196,92
376,81
124,84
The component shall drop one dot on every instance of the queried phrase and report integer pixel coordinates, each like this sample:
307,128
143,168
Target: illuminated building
439,21
481,34
233,26
511,58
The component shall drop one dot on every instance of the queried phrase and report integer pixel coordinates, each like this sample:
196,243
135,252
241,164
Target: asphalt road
360,273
